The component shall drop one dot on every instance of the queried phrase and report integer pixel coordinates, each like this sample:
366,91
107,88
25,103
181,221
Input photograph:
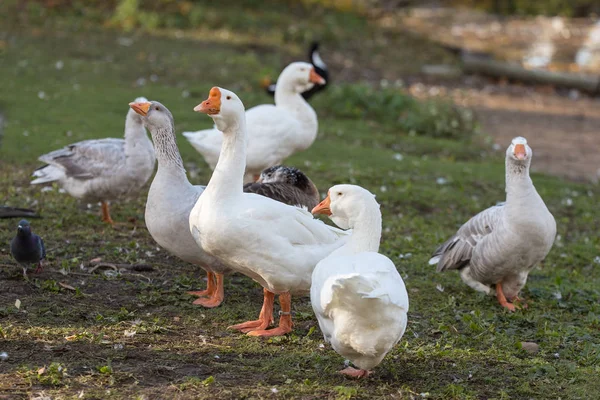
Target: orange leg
285,320
265,318
217,295
106,213
355,373
502,299
210,286
39,268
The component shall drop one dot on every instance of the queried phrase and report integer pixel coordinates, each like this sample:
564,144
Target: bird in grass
27,248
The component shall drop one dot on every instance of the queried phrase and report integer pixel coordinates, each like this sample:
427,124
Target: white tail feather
47,174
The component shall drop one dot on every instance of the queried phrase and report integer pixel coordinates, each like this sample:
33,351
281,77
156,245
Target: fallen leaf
71,338
18,303
41,370
66,286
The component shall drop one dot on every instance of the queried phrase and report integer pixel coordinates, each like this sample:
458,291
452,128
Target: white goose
275,244
102,169
357,294
170,200
274,131
500,245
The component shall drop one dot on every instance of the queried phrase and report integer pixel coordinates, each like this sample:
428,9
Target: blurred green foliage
434,118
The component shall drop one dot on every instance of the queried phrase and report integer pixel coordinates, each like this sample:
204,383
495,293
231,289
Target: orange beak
520,151
212,105
140,108
315,78
323,207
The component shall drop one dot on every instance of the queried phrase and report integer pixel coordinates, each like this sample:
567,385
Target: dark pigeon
27,247
320,68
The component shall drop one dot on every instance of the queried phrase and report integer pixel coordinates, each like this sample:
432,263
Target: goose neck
228,176
366,232
167,152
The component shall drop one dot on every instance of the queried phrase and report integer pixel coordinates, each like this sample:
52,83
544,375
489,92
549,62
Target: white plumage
357,294
274,131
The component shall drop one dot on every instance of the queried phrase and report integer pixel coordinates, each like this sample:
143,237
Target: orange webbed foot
502,299
355,373
201,293
279,331
249,326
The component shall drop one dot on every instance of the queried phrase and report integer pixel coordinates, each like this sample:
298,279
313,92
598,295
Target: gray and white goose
171,198
101,170
501,245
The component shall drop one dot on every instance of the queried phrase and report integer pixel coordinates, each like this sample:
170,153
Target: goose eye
228,97
339,193
156,108
302,69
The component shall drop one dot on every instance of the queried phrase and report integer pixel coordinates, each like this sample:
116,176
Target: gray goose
501,245
170,200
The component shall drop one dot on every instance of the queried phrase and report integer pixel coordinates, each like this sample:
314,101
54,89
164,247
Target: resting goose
170,200
500,245
320,68
274,131
275,244
357,294
101,170
288,185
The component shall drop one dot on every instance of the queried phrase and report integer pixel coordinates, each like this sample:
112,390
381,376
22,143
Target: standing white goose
500,245
274,131
170,200
357,294
102,169
275,244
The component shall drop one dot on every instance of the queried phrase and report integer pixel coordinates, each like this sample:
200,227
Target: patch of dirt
561,127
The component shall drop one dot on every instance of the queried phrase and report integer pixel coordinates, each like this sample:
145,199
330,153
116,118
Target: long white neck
228,177
135,137
520,192
366,231
291,100
167,152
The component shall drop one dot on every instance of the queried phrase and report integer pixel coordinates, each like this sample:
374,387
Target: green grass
459,344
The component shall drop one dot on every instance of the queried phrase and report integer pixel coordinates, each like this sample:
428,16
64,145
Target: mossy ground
68,82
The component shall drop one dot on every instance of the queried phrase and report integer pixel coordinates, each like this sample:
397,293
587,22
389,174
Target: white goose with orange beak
357,294
501,245
274,131
275,244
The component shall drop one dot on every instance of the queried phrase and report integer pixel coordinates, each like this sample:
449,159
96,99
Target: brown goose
288,185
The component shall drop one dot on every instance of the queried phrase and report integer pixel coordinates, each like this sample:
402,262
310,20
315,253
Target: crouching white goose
170,200
103,169
274,131
275,244
500,245
357,294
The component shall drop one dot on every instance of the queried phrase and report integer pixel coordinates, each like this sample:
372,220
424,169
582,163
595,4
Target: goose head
345,204
224,107
283,174
134,115
154,115
299,77
519,151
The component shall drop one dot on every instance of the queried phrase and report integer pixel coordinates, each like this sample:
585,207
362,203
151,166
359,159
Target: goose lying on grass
16,212
275,244
288,185
500,245
170,200
320,67
358,296
101,170
274,131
